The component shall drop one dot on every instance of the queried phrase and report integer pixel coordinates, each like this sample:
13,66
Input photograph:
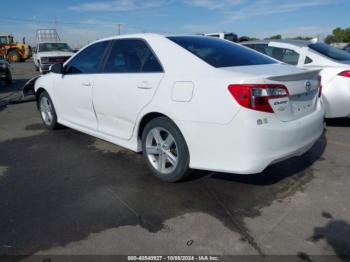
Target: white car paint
336,88
221,135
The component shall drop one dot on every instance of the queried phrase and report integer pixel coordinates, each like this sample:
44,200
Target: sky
81,21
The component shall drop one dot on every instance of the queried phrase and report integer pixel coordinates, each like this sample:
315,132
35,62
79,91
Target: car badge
308,86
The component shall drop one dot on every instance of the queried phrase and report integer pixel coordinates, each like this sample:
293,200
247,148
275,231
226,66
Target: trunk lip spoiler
308,75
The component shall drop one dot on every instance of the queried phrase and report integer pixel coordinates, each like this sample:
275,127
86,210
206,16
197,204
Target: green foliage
339,35
274,37
301,38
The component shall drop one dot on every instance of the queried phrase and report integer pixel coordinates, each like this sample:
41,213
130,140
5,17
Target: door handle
87,83
144,85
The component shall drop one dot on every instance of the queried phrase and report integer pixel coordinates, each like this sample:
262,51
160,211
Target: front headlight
44,60
4,66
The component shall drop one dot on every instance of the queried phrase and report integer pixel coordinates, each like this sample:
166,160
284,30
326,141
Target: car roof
299,43
139,35
148,35
51,42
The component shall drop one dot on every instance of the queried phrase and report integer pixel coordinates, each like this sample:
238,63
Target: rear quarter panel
211,101
336,93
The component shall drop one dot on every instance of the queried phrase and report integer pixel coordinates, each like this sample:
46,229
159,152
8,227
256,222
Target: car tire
9,79
47,111
14,56
165,150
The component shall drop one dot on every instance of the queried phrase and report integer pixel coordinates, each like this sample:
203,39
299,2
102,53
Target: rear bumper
244,147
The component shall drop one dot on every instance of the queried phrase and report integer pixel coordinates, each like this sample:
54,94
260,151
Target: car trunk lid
302,85
303,91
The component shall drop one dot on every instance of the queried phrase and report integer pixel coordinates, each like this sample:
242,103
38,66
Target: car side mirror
56,69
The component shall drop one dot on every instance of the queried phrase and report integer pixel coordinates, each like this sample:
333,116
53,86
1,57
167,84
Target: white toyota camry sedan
186,102
333,63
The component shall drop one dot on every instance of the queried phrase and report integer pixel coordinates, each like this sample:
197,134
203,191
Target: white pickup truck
49,50
49,53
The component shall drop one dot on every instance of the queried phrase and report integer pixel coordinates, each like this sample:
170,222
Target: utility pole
55,23
119,28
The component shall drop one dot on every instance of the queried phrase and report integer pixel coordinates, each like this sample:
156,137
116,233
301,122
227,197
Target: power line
55,21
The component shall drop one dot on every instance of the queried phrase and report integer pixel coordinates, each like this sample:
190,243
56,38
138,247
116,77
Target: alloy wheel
46,110
162,150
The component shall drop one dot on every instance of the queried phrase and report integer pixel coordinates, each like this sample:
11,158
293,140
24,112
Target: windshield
46,47
6,40
220,53
330,51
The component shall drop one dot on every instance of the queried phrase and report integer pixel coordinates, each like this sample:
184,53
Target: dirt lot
63,192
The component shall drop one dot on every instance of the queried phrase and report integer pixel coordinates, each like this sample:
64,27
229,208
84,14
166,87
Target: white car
50,53
333,63
185,102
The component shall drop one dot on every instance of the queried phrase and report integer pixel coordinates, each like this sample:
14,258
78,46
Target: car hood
54,54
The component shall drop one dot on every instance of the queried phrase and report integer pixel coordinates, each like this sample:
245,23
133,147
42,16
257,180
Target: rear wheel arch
14,51
146,119
149,117
11,50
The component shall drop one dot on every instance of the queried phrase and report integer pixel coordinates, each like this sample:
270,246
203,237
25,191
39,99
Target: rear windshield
330,51
220,53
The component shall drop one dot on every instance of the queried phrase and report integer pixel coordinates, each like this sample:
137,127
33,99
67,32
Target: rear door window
131,56
285,55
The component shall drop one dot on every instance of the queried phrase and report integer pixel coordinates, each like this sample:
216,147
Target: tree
301,38
339,35
329,39
274,37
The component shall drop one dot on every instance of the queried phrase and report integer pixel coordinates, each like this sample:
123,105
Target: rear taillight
257,96
320,88
345,73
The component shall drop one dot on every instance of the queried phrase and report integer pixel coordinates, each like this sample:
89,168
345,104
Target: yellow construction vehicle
13,51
